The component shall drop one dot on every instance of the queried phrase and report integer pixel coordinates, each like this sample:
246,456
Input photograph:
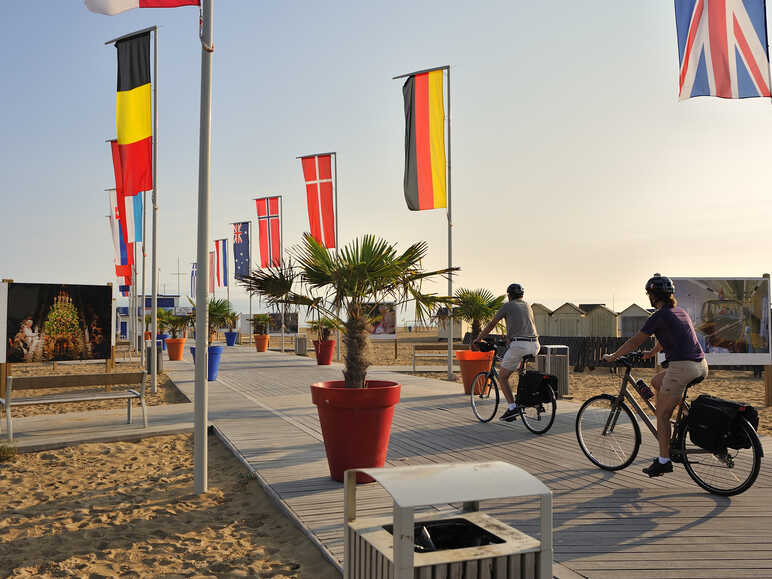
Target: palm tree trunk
476,328
356,340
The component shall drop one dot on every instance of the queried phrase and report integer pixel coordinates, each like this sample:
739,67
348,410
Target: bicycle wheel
607,432
726,472
539,418
484,396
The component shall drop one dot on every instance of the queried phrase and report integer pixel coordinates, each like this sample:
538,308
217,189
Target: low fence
587,351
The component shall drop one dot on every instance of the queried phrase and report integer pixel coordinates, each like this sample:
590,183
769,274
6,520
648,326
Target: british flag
722,47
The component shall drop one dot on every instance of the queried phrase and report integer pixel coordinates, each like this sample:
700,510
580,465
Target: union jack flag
722,47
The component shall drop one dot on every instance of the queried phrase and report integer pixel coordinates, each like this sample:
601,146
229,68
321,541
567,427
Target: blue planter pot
230,338
163,337
215,354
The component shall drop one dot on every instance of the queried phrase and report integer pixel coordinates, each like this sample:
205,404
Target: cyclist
522,337
684,360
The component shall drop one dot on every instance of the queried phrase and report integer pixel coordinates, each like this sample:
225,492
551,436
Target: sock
663,460
512,406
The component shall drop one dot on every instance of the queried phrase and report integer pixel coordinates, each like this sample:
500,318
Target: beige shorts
516,351
679,374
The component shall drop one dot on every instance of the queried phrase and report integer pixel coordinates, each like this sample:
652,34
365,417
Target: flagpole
144,267
154,259
337,244
252,329
450,249
200,455
281,259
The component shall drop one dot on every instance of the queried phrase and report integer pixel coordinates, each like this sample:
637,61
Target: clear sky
576,170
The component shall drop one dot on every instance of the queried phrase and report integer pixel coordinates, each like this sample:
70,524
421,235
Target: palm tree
218,310
476,306
352,284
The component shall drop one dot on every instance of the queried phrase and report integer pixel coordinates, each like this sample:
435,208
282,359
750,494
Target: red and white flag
112,7
269,226
317,172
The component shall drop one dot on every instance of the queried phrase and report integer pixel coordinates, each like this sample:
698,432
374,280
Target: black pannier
531,390
714,423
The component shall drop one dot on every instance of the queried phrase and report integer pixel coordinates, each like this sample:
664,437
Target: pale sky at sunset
575,169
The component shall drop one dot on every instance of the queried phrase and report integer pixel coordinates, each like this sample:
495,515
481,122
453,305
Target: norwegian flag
269,226
722,47
317,172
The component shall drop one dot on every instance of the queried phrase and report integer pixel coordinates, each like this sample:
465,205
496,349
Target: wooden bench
438,350
135,381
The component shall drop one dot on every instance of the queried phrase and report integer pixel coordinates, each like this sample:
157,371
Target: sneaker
510,415
658,469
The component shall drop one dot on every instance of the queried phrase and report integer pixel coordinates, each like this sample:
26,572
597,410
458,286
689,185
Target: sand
104,510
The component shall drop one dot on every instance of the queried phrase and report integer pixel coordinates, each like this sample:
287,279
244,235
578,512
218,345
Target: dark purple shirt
674,330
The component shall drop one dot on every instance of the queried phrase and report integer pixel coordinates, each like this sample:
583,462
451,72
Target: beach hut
599,321
542,318
568,321
631,319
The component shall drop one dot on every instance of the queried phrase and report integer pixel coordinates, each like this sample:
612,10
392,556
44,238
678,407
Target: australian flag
241,255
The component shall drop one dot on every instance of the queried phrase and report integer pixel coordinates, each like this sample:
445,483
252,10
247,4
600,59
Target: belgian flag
424,141
134,114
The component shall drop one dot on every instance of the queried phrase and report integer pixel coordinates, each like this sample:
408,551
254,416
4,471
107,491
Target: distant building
541,317
599,321
567,321
631,320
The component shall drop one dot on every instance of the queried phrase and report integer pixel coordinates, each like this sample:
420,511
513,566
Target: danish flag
722,47
317,172
269,225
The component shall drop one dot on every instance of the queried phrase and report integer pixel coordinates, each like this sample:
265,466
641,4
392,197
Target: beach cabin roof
634,310
598,308
587,308
538,306
568,307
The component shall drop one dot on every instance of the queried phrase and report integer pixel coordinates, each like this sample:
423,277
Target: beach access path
606,524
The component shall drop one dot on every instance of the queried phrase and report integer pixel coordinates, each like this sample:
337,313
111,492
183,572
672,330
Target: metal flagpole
144,267
249,249
337,243
450,250
281,260
200,455
154,259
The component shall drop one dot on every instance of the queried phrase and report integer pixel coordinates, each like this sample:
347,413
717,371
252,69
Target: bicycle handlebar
628,360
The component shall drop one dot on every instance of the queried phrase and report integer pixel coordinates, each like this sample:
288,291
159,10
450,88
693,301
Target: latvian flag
221,257
317,172
111,7
133,114
424,141
269,225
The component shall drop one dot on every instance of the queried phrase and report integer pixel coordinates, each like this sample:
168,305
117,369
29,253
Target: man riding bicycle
522,338
684,360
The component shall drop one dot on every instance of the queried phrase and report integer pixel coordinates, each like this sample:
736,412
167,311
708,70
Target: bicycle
485,397
610,437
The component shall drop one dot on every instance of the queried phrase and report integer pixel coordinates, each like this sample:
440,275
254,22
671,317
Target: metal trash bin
159,356
401,546
555,361
301,344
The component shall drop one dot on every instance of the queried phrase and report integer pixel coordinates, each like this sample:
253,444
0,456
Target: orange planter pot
148,335
471,364
175,347
261,342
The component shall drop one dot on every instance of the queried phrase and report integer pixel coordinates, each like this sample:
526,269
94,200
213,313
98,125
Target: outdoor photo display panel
730,317
290,323
383,321
47,322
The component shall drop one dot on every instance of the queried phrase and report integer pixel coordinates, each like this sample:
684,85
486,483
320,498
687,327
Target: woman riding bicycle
684,360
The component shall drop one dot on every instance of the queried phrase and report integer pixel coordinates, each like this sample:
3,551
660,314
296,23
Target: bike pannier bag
714,423
531,388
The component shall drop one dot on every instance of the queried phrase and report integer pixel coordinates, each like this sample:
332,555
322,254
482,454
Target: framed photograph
45,322
290,323
731,317
383,321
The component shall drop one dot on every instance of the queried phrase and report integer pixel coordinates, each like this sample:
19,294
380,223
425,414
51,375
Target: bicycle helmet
516,290
660,285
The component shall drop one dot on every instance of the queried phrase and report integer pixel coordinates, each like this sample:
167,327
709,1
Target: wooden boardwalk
606,524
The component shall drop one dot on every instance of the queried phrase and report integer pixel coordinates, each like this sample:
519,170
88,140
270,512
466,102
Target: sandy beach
128,509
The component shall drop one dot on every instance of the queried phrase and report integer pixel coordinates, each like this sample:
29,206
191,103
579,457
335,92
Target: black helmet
515,289
660,285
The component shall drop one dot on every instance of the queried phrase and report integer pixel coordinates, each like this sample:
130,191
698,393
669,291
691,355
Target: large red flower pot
175,347
324,350
472,363
261,342
356,424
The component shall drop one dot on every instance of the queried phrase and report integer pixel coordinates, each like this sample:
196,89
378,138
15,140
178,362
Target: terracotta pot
471,363
356,424
148,335
261,342
175,347
324,350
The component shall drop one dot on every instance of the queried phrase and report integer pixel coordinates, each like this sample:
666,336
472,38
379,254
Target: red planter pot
175,347
324,350
472,363
261,342
356,424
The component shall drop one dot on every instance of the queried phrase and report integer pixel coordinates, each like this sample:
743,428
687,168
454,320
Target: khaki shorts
516,351
679,374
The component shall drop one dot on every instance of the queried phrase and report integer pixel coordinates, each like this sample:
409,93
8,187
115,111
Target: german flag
133,114
424,141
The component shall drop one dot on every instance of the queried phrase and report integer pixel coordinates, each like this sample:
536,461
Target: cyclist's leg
670,392
510,363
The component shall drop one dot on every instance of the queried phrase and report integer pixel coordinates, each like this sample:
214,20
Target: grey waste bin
432,544
301,344
553,359
160,356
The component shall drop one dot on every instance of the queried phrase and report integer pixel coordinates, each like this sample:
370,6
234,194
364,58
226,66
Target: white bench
135,381
436,351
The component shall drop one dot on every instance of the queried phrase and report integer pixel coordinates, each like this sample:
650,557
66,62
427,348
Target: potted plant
323,345
478,307
175,345
163,318
260,331
148,321
218,310
355,413
232,335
